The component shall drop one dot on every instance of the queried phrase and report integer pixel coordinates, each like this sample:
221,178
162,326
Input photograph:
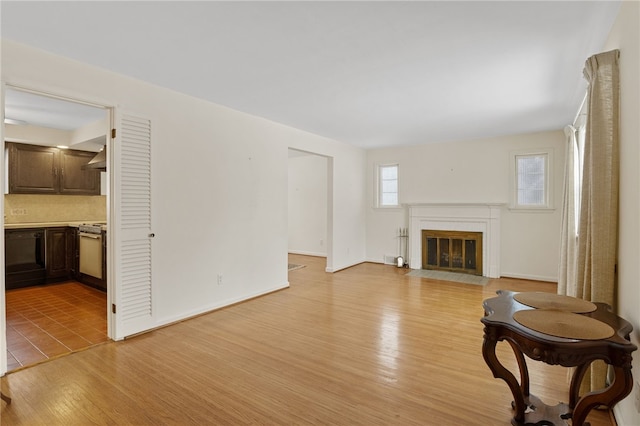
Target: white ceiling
372,74
25,108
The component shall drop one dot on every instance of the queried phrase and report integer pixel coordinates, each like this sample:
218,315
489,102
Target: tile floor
47,321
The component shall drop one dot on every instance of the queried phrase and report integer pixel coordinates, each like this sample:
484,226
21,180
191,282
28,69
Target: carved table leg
500,372
576,380
620,388
522,365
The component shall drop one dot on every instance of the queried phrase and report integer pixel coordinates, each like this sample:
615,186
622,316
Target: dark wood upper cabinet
35,169
73,178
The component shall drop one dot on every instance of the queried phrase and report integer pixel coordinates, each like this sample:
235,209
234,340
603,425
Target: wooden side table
562,344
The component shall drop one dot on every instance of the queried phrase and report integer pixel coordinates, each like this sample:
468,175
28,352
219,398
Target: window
578,168
387,184
531,178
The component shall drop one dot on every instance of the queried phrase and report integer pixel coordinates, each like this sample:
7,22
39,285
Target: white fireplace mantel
483,218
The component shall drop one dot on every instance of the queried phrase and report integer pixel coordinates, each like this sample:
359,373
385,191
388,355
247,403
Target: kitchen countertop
49,224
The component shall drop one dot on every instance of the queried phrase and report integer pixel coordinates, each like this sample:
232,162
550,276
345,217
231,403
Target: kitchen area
55,226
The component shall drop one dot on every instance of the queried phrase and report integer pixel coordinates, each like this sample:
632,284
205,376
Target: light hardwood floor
364,346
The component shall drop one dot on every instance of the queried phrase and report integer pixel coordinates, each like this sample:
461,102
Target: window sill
388,207
532,209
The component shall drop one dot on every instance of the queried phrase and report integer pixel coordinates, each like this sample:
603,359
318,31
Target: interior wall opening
309,204
55,184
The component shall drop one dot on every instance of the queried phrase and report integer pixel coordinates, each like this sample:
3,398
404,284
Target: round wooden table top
555,301
563,324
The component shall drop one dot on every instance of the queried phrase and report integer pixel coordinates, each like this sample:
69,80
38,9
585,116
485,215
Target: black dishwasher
24,257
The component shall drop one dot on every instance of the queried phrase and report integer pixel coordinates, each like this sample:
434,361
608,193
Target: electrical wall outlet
219,279
18,212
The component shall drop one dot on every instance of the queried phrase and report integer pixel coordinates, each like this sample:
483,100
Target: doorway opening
310,204
55,183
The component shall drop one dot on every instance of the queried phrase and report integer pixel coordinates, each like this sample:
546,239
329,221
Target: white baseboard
616,413
388,259
340,268
308,253
529,277
214,307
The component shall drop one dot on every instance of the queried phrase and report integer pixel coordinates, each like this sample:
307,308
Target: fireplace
466,218
454,251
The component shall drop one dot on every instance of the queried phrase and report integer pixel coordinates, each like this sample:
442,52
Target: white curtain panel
568,236
598,222
598,225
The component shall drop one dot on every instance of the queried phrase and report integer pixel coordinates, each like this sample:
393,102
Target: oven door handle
94,236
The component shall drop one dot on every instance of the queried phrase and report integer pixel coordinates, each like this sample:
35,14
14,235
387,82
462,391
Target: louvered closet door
132,197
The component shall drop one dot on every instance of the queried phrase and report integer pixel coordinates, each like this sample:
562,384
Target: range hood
99,162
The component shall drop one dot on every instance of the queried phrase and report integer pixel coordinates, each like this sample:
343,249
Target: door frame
329,200
110,109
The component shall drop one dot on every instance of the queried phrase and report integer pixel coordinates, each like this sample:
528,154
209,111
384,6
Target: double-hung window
531,175
387,185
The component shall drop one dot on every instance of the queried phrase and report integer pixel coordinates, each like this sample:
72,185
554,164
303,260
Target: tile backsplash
22,208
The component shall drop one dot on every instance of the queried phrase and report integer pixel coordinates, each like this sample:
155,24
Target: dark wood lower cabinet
46,255
72,252
57,262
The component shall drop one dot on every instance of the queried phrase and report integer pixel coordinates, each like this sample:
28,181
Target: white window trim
376,185
549,181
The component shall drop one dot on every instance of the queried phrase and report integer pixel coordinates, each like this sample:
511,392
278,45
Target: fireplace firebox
456,251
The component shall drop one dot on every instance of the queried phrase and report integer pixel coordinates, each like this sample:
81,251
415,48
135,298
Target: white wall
625,35
474,171
307,204
219,185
